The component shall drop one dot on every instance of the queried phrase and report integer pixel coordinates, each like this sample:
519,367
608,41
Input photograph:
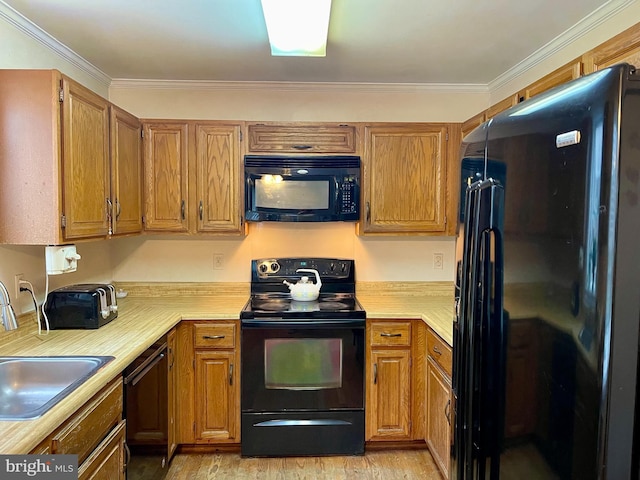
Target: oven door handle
135,376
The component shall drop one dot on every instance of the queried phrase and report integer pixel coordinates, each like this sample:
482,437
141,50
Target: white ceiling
371,41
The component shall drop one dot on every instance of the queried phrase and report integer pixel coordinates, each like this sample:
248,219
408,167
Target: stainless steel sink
30,386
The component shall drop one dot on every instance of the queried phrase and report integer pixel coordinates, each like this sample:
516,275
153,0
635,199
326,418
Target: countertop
148,313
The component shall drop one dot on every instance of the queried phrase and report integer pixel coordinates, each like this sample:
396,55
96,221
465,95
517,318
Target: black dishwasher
146,411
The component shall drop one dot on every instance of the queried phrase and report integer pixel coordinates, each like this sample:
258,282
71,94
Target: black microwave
302,188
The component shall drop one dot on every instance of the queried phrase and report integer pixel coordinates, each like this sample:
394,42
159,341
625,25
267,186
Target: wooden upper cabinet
502,105
301,138
566,73
85,162
472,123
166,176
405,179
623,48
126,172
218,185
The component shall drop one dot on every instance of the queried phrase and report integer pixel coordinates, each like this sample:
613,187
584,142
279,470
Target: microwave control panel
349,192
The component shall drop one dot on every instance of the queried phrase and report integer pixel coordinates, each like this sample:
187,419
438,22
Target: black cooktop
270,297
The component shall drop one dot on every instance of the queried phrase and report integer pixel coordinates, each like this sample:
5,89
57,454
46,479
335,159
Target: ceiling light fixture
297,28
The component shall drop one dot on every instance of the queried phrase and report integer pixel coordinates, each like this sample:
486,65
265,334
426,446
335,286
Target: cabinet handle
231,374
200,209
109,214
182,209
118,209
375,373
447,411
302,147
436,350
368,212
212,337
127,456
383,334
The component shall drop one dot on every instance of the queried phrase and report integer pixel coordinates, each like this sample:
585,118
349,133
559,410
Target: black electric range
302,362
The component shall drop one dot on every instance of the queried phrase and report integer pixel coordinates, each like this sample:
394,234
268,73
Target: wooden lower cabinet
216,396
389,407
438,401
96,433
107,461
208,382
395,381
438,416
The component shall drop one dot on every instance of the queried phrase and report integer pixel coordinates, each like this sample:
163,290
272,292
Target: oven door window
277,193
303,363
302,368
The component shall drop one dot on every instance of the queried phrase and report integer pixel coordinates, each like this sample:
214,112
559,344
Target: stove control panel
287,267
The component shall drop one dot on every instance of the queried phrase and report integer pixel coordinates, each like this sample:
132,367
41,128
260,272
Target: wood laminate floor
382,465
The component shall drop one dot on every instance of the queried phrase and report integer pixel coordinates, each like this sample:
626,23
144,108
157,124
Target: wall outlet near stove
438,261
18,278
218,261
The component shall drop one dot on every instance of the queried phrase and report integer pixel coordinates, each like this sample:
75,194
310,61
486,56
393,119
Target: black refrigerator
545,367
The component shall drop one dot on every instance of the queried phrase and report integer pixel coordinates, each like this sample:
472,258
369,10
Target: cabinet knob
302,147
212,337
384,334
182,209
231,374
375,373
200,210
437,350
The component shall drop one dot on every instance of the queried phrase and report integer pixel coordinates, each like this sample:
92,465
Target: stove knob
275,267
332,267
263,268
344,267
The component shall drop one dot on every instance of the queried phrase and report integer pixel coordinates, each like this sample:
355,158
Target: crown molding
317,87
29,28
584,26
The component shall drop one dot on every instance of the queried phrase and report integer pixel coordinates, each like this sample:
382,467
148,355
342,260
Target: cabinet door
218,178
472,123
388,395
564,74
85,162
166,177
405,179
317,138
171,395
502,105
126,172
624,47
216,396
438,416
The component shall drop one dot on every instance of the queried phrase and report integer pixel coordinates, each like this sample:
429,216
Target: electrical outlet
17,279
438,260
218,261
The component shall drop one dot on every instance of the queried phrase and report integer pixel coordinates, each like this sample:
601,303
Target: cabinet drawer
107,460
215,335
390,334
302,138
439,351
90,424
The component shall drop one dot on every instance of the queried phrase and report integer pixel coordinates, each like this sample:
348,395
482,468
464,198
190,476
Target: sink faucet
8,314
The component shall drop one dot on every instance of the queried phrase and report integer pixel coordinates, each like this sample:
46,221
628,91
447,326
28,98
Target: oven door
302,366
